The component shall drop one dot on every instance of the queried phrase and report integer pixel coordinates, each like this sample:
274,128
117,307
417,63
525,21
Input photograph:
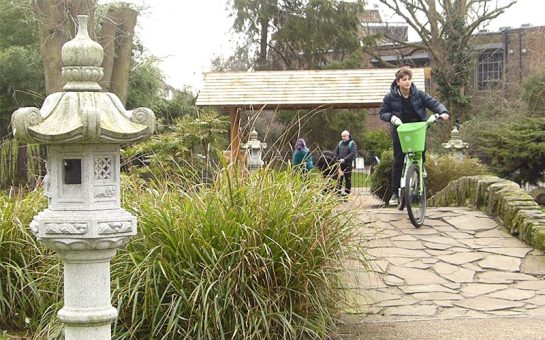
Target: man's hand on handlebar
395,120
444,116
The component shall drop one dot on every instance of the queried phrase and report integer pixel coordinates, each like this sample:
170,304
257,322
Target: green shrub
30,275
444,169
377,141
381,178
516,150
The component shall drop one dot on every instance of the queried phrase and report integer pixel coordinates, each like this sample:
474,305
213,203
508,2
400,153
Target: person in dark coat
302,159
345,152
404,103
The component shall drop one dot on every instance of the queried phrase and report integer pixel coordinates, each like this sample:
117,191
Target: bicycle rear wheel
414,198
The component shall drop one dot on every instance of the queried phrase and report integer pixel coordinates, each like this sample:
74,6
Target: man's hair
404,71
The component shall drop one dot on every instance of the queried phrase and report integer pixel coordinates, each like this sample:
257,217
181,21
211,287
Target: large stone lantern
83,128
254,150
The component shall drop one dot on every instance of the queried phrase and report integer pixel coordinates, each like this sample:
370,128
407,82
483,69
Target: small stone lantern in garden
83,129
254,151
455,145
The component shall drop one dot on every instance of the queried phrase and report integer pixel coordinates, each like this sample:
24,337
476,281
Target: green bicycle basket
412,136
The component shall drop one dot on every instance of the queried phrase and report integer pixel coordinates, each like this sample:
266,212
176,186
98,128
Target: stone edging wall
501,198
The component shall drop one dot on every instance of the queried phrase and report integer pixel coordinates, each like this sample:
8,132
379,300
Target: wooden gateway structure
232,92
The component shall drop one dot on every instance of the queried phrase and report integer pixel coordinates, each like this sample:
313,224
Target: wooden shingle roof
362,88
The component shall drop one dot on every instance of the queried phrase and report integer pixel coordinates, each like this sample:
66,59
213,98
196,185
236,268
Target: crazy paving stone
515,252
500,262
409,245
405,301
512,294
538,300
533,265
531,285
437,246
477,289
426,289
397,252
472,223
502,277
483,303
416,276
437,296
461,258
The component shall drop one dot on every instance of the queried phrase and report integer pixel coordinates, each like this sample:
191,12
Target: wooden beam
234,115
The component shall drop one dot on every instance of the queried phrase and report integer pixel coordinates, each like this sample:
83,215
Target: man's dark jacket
347,151
392,104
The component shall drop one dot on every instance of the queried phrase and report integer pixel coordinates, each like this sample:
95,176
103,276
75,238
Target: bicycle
412,191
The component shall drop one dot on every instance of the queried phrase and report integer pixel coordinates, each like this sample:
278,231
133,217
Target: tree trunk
22,165
53,34
123,52
262,63
107,40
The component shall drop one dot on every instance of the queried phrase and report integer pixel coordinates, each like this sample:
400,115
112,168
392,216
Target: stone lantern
84,223
455,145
254,151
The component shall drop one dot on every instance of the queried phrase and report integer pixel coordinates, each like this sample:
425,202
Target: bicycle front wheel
415,196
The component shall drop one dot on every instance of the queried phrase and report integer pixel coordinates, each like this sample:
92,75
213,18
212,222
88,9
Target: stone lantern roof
82,113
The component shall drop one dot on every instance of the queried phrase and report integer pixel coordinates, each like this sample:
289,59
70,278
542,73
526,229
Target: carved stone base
84,230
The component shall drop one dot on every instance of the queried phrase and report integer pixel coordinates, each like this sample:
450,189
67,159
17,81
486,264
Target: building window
490,70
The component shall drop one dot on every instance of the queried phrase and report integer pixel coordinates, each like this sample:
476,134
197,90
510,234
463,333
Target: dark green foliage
191,146
381,178
533,93
293,34
321,28
323,128
516,149
145,84
376,142
444,169
21,71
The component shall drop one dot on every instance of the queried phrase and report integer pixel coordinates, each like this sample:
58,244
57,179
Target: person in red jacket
404,103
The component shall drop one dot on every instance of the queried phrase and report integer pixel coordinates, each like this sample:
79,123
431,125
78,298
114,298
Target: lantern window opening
72,171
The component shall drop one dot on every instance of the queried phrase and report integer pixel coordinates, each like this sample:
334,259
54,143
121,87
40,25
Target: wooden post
234,115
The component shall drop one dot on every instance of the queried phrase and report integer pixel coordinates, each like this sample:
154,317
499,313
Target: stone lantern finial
82,58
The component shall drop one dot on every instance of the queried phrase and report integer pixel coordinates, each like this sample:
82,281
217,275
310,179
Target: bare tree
445,28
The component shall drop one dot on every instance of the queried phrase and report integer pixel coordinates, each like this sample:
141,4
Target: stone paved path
460,264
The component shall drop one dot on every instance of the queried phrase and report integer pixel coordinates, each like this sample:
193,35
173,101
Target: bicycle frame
410,158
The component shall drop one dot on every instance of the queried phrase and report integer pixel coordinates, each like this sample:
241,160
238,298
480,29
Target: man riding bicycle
405,104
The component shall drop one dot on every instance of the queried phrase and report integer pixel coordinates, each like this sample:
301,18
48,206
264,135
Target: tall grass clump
249,257
30,276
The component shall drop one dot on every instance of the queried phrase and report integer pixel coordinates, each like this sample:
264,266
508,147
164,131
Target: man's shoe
394,200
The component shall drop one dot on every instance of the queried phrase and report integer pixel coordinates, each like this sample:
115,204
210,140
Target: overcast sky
187,34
